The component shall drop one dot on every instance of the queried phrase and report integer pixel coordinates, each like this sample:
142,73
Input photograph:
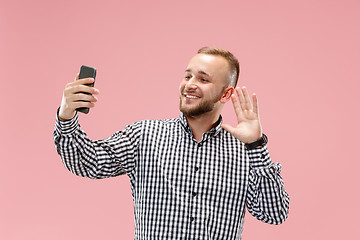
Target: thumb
228,128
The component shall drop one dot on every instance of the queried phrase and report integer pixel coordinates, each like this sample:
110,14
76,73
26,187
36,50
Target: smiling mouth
190,97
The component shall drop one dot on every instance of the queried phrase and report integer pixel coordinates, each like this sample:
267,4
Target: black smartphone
86,72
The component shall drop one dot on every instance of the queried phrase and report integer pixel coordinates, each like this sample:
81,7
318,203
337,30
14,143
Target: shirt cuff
63,127
259,157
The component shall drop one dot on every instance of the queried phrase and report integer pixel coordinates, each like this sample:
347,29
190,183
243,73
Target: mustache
191,92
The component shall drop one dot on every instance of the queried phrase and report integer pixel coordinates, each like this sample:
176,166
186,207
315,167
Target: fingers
81,89
76,95
241,98
82,97
244,99
71,102
236,105
82,81
79,86
76,99
255,104
248,105
80,104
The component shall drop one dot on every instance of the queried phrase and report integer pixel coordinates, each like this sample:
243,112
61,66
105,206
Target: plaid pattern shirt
182,189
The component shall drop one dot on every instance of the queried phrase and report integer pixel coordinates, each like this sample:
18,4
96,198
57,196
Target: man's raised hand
74,97
248,128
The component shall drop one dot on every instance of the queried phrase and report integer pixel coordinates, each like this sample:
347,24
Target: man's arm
267,199
82,156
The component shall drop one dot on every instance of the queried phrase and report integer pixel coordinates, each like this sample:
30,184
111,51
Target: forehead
215,66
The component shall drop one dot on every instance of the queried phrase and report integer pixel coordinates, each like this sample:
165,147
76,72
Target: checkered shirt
182,189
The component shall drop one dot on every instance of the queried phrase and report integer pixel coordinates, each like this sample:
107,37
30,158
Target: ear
227,94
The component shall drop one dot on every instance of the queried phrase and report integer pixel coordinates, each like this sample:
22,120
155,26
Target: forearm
82,156
70,142
267,199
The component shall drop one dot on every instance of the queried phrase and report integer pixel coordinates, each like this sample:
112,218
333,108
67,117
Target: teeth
189,96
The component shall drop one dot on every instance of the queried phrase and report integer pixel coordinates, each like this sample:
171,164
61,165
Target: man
191,176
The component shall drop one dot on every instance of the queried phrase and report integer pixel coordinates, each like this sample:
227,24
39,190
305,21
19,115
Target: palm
248,128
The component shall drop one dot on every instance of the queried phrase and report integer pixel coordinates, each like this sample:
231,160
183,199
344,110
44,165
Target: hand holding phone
86,72
77,95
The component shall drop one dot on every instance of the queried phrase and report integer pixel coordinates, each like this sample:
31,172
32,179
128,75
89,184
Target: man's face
203,84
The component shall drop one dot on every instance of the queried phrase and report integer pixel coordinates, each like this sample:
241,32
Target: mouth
190,97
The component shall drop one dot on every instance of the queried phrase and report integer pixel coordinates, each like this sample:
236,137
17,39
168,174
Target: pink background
300,57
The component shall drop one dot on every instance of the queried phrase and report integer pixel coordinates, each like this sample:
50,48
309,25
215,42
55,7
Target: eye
187,77
204,80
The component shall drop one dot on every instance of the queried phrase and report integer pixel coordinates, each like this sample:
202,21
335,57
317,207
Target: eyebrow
200,72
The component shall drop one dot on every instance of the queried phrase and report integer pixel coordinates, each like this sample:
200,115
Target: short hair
230,58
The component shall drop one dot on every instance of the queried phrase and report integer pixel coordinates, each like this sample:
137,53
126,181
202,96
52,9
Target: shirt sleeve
267,199
105,158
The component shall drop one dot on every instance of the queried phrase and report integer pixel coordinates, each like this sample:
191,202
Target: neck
201,124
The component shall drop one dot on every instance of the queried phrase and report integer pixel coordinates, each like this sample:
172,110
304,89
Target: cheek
215,93
181,86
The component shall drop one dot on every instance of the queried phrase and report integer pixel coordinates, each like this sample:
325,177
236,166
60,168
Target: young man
191,176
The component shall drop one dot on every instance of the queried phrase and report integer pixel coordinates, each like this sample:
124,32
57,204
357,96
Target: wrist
249,141
65,116
258,143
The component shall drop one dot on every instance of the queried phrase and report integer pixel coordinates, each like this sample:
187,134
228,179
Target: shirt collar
212,132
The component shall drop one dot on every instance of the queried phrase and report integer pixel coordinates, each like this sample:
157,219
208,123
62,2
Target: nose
190,84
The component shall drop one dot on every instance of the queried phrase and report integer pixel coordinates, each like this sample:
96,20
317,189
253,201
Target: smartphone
86,72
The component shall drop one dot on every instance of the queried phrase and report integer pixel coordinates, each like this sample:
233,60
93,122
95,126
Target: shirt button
262,156
192,219
196,169
194,194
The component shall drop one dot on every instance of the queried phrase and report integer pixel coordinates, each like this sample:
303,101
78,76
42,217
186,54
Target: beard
203,107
